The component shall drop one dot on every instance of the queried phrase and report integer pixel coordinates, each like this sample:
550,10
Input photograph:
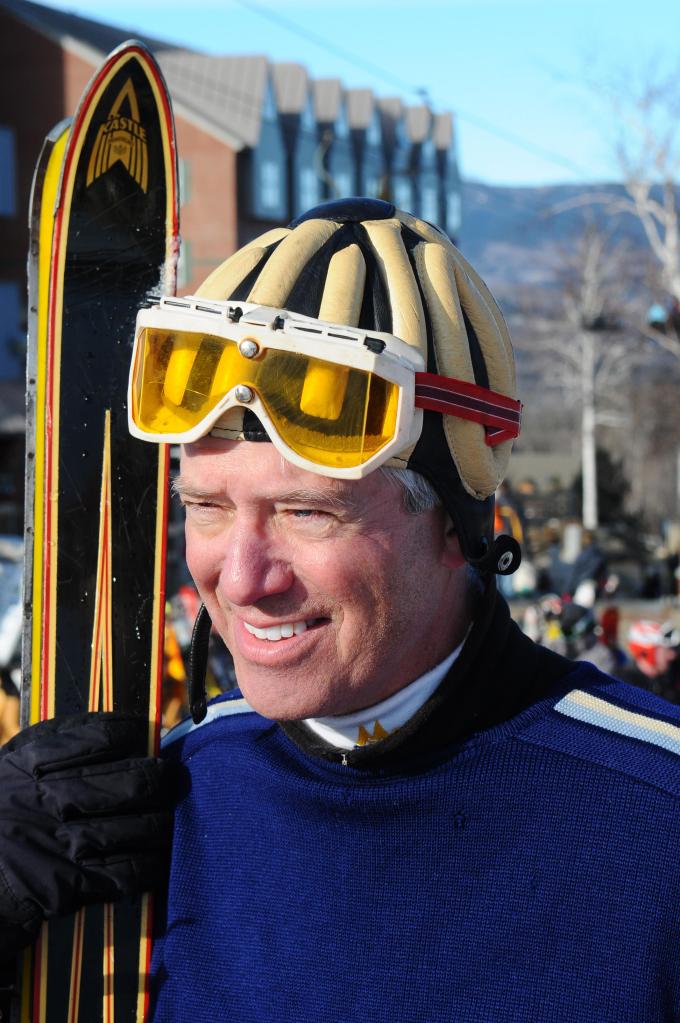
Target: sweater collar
499,673
373,724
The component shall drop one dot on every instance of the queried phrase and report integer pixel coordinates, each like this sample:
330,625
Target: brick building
258,143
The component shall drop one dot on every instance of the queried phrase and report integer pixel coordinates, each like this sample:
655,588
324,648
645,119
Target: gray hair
418,494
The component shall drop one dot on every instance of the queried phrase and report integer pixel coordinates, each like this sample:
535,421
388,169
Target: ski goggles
335,400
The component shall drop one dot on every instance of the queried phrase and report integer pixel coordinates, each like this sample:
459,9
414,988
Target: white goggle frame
373,351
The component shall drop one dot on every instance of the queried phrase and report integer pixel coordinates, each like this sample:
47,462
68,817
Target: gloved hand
84,817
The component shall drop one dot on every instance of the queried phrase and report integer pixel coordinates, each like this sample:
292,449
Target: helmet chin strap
198,664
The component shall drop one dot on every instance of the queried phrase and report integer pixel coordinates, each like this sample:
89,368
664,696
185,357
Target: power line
389,76
337,51
516,140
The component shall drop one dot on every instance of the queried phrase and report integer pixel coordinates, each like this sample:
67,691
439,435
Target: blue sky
523,76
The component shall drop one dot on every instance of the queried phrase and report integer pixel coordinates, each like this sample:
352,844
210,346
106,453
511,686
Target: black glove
84,817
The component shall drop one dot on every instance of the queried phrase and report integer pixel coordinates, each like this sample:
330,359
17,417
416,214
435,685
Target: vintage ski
104,229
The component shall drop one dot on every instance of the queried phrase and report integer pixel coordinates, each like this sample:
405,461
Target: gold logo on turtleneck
365,737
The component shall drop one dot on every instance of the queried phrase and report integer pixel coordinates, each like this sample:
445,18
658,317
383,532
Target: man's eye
200,507
310,515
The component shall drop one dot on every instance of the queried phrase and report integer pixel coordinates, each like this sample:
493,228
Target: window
269,112
341,126
403,193
373,132
270,185
342,180
12,331
308,189
268,175
428,203
8,196
307,120
428,155
453,212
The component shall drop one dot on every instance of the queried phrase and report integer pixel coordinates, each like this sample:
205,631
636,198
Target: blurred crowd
647,655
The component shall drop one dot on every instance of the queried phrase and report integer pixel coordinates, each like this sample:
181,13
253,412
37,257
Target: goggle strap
499,415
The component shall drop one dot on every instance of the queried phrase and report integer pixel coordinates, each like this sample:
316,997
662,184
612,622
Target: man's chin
285,702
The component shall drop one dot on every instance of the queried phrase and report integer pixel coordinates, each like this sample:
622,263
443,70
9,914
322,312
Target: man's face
328,594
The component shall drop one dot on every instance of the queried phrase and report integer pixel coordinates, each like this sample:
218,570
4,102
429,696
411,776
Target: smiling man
408,811
330,595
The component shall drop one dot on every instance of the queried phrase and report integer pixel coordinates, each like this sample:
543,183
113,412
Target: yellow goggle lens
330,414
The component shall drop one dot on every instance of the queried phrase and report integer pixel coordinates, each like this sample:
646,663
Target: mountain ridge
514,236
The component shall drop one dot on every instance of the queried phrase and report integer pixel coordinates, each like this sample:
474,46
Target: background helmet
645,637
363,263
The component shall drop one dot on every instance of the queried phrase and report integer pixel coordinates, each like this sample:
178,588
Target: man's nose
252,567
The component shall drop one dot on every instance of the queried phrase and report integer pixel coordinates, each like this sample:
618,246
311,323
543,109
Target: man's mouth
284,630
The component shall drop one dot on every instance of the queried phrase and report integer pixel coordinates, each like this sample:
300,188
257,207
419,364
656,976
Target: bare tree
647,148
644,110
582,348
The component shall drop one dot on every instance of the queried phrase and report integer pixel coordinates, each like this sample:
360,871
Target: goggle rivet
248,348
243,394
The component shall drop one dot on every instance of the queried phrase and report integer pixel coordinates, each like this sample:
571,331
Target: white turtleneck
347,731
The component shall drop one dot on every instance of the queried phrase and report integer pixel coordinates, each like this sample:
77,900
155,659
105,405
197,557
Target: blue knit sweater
526,873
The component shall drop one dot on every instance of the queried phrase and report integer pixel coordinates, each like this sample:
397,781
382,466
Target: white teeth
276,632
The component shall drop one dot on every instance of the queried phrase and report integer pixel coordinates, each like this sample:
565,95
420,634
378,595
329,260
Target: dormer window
307,119
269,112
403,192
267,173
341,128
373,133
450,189
428,155
335,147
402,174
270,184
453,212
305,182
429,205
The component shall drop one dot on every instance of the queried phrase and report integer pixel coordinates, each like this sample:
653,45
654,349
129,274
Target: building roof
223,94
327,94
360,107
291,86
390,109
442,130
418,121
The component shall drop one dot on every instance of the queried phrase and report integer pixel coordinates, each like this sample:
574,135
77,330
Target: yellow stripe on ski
101,663
47,204
76,968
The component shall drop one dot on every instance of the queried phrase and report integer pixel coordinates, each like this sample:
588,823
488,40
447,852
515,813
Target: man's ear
452,556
